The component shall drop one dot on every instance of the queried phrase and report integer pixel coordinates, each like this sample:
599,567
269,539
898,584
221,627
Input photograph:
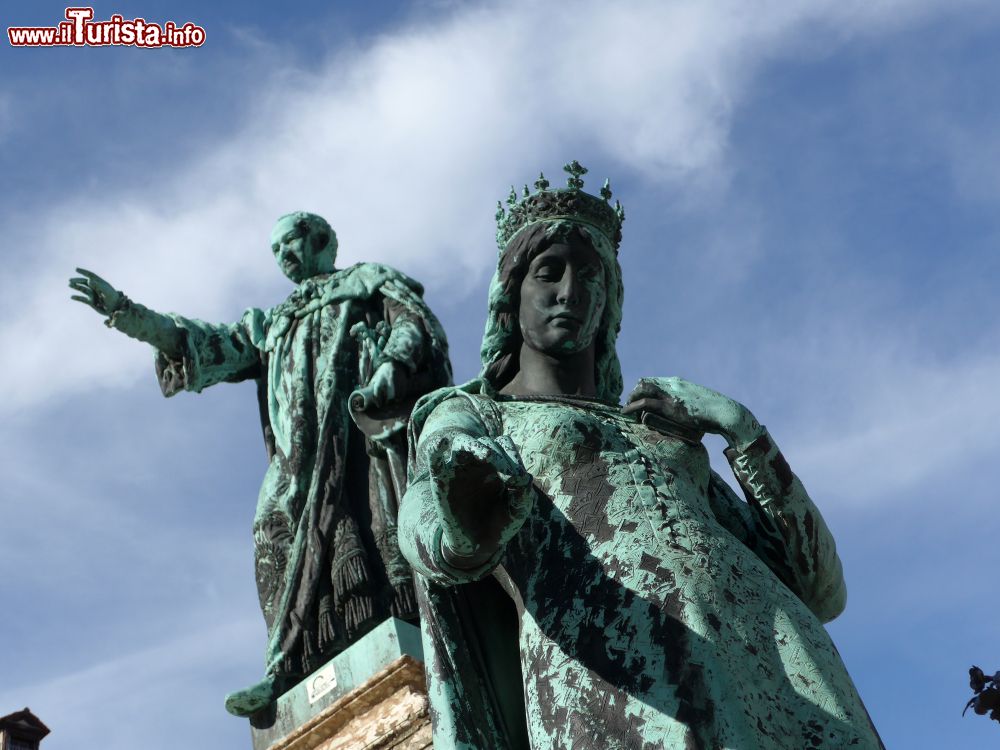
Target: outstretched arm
123,314
470,495
778,521
191,354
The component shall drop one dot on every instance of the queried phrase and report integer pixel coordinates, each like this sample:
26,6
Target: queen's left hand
695,408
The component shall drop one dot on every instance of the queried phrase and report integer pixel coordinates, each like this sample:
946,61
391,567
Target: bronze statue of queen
585,579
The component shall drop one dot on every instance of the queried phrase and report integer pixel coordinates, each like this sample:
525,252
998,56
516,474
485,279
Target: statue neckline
560,398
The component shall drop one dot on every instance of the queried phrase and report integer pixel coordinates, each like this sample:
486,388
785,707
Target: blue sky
812,193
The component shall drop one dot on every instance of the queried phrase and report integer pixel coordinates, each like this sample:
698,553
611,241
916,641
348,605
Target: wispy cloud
871,402
903,428
401,146
164,690
405,143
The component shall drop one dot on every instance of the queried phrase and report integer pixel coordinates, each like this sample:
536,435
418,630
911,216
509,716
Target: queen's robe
641,605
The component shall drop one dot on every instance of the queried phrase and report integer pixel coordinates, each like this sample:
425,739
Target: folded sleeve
782,525
212,353
421,518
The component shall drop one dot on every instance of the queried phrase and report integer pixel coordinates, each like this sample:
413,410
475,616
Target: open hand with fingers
693,408
485,494
94,291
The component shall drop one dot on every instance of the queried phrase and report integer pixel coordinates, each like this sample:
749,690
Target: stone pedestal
371,697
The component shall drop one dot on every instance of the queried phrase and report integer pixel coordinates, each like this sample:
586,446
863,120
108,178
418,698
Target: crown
569,203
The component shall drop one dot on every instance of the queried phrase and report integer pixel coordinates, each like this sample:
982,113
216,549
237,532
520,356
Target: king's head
304,245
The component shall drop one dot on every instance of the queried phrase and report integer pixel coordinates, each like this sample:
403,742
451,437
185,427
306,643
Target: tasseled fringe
358,611
327,634
404,601
308,651
349,575
352,592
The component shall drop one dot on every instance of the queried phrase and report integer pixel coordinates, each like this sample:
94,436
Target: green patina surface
586,579
345,672
328,567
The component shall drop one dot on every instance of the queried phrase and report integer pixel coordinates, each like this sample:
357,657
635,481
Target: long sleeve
782,525
407,342
139,322
212,353
416,340
421,518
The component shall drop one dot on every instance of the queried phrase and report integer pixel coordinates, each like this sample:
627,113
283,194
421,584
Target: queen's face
562,299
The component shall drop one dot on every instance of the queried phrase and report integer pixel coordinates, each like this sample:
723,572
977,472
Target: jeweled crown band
569,203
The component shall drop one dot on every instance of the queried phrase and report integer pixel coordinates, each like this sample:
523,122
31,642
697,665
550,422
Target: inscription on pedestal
375,689
321,683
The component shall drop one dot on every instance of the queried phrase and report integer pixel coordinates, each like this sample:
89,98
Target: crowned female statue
586,580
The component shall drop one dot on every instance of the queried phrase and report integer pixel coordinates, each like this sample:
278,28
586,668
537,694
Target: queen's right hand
485,494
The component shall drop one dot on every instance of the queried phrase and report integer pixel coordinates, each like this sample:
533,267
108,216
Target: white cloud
163,691
874,402
903,429
405,147
878,432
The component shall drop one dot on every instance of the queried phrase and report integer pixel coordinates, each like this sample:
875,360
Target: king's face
289,243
